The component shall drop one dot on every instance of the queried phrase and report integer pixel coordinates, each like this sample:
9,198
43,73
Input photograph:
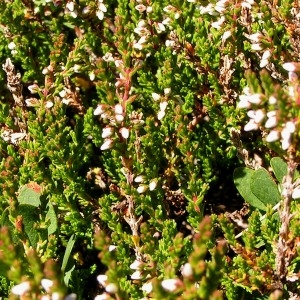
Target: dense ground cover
149,149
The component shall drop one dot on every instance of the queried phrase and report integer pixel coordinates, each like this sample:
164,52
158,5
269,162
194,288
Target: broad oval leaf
242,179
264,187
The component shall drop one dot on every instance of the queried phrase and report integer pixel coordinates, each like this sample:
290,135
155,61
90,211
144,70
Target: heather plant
125,127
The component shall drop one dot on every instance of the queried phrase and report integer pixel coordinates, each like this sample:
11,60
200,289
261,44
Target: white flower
289,67
139,178
142,189
163,105
170,43
112,248
49,104
46,284
124,132
72,296
256,115
256,47
136,265
187,270
273,136
155,96
141,8
107,144
147,287
160,27
272,119
251,125
136,275
111,288
170,284
226,35
167,91
218,24
11,46
272,100
296,193
21,288
118,109
103,296
108,57
34,88
244,102
100,109
107,132
119,118
152,185
255,37
102,279
70,6
101,10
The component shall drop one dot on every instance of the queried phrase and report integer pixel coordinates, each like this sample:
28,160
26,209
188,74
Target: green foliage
121,123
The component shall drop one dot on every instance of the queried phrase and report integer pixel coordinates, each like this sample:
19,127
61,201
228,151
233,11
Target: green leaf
29,196
30,217
264,187
242,180
68,251
51,218
279,167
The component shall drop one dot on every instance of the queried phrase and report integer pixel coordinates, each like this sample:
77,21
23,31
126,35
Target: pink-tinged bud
21,288
100,109
124,132
171,284
102,279
107,145
118,109
107,132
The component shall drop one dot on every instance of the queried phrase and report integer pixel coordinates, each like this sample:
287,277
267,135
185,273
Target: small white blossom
102,279
272,100
147,287
170,284
136,265
107,145
108,57
273,136
100,109
289,67
101,10
46,284
142,189
272,119
167,91
255,37
124,132
256,47
163,105
103,296
107,132
34,88
70,6
141,8
119,109
72,296
137,275
139,178
11,46
111,288
187,270
112,248
251,125
218,24
226,35
119,118
296,193
161,114
155,96
160,27
21,288
152,185
170,43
